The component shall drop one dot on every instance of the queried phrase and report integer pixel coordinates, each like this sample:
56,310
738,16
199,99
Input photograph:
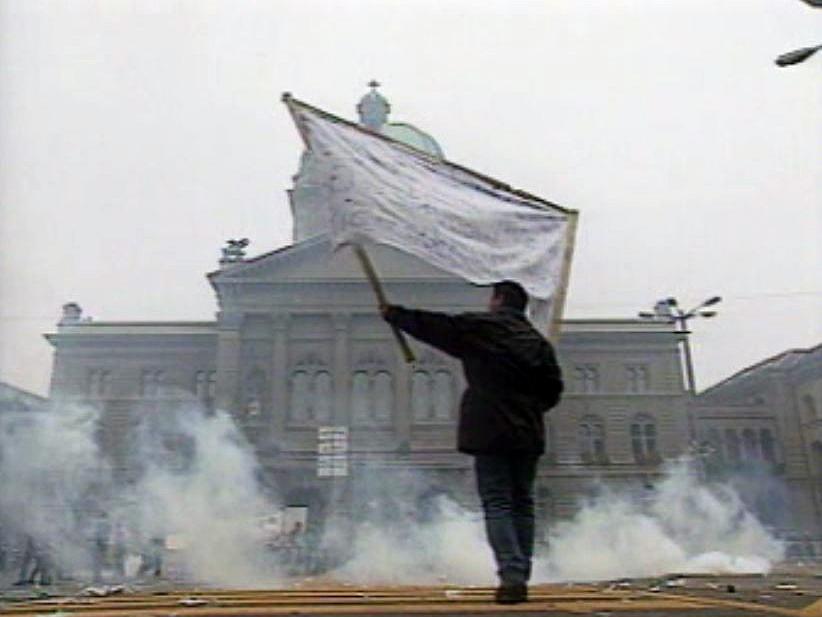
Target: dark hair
512,295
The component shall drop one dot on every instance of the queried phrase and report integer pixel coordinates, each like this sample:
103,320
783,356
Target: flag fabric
383,191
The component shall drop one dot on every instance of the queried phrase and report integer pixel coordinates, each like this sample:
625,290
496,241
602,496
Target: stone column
341,369
279,377
403,414
228,361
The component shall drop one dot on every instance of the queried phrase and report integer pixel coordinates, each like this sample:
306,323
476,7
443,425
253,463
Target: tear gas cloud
681,526
197,486
200,488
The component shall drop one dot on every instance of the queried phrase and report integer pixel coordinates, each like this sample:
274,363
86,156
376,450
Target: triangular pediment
313,260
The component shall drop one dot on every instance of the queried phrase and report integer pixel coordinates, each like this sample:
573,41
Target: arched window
360,399
211,384
254,389
383,396
715,442
643,438
443,395
592,439
421,395
810,412
300,403
322,398
200,384
816,457
768,450
750,447
732,445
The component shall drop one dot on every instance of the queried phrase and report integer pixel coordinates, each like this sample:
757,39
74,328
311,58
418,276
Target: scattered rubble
190,602
102,591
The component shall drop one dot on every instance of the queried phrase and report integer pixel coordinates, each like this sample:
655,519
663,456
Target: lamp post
669,311
796,56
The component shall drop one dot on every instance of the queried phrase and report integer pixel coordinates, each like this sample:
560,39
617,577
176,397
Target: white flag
474,227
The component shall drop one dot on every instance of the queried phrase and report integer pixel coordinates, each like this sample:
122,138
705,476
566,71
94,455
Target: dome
412,136
373,110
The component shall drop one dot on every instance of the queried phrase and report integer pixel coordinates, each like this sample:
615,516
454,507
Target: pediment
313,260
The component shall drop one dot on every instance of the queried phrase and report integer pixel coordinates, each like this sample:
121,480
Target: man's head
508,294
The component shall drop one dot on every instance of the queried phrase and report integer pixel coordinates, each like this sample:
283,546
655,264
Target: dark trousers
506,490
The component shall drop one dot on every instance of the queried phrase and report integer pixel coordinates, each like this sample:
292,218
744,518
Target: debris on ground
786,587
193,602
102,591
730,588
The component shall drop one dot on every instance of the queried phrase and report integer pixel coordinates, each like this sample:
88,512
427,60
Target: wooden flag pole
371,274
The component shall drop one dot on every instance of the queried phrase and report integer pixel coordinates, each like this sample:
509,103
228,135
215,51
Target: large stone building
765,422
299,356
14,400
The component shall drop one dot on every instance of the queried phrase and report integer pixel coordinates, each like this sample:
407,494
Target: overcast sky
135,137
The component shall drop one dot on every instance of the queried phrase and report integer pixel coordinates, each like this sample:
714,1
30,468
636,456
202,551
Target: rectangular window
151,383
592,441
638,378
205,385
99,383
587,378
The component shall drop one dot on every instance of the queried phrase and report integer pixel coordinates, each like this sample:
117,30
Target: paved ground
793,594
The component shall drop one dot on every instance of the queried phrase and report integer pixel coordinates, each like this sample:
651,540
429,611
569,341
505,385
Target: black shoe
511,594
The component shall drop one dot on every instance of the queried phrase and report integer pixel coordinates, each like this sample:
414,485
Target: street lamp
796,56
668,311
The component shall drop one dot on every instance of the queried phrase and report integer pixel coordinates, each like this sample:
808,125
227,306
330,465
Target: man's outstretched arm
439,330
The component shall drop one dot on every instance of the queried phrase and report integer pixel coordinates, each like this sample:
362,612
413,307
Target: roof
17,399
412,136
783,361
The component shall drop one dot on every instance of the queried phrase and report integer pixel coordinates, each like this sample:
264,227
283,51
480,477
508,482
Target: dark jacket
512,373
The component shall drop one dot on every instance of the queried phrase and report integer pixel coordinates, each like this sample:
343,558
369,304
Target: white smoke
448,548
684,526
200,489
51,475
197,493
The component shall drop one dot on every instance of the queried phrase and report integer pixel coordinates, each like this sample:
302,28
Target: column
279,377
403,414
341,369
228,362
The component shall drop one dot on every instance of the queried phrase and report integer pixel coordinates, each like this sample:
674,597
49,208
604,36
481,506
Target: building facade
298,348
13,400
765,422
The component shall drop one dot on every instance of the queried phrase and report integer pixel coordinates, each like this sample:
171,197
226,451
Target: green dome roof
412,136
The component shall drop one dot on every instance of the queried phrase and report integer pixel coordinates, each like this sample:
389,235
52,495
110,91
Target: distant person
118,548
513,379
35,563
151,559
99,549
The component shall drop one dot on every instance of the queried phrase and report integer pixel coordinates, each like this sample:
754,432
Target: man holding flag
380,190
513,379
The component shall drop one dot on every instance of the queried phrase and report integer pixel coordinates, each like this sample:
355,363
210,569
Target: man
513,379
